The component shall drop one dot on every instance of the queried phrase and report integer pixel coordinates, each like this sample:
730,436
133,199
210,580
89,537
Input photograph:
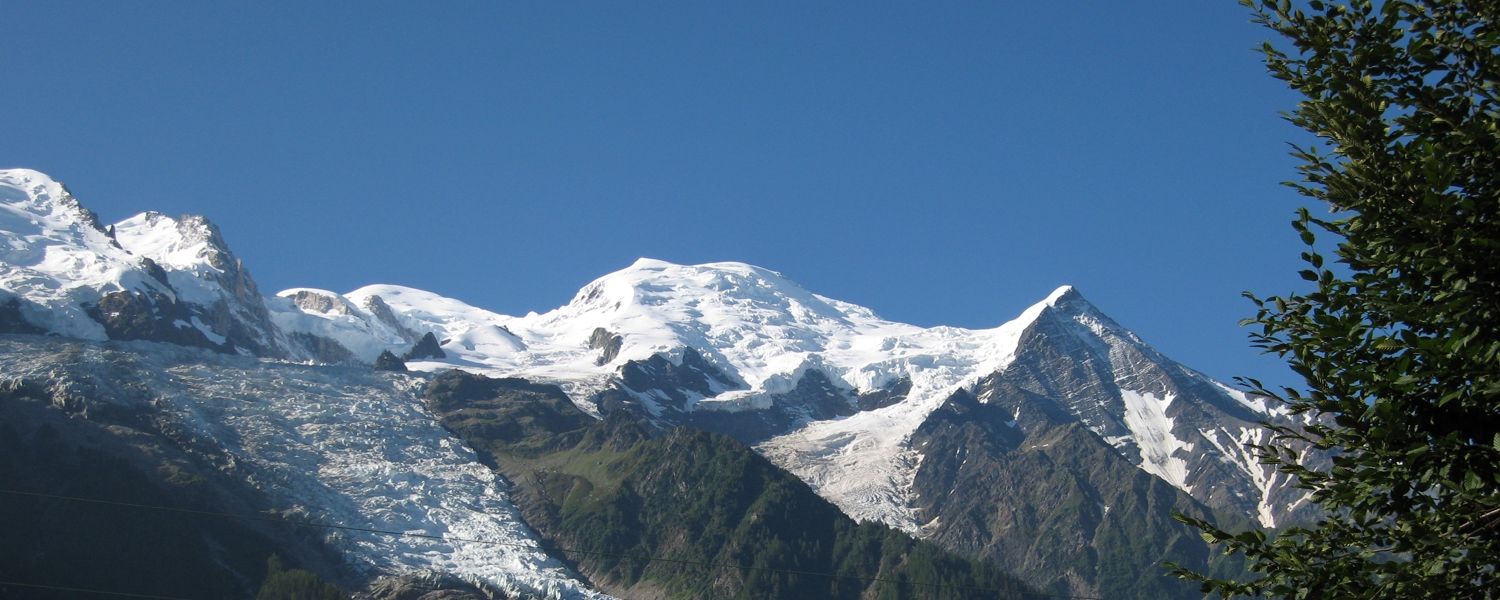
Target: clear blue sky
941,163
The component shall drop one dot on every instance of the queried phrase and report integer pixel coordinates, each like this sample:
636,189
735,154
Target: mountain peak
1067,301
656,268
185,242
657,283
41,196
1062,293
34,185
644,263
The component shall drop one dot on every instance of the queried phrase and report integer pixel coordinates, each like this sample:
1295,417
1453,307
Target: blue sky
941,163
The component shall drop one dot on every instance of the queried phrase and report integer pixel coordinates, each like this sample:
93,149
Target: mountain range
1051,449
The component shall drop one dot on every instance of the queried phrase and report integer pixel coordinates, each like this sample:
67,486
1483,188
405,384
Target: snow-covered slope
55,257
147,277
764,333
206,276
364,329
759,328
336,445
1169,420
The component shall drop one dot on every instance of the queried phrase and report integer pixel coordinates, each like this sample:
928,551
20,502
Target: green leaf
1398,344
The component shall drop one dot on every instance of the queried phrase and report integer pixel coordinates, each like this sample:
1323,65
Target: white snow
343,446
1151,429
352,326
1255,403
1237,451
182,248
55,258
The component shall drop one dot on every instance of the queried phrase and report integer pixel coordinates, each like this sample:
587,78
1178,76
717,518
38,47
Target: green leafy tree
1399,342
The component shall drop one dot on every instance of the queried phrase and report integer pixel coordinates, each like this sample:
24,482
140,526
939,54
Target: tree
295,584
1399,341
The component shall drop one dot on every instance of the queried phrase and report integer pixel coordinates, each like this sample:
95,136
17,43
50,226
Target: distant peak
26,175
188,224
181,242
1064,298
1062,294
653,264
1067,300
706,277
650,264
38,193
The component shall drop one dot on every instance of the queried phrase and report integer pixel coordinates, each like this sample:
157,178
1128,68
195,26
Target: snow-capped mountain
148,277
56,260
863,409
751,337
926,429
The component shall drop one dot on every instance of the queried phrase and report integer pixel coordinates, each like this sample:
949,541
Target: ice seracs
341,446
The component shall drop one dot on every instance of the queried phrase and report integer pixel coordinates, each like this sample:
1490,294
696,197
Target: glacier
332,445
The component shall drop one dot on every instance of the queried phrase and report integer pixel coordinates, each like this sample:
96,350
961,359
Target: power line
59,588
538,547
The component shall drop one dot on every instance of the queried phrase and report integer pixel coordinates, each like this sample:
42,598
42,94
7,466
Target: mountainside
347,447
702,503
46,447
1055,445
149,277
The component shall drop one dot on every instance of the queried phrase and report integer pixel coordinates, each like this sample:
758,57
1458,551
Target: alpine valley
675,431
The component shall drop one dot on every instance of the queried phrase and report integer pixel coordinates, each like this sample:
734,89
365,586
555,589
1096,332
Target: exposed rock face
389,362
383,313
658,382
665,394
1052,501
12,321
322,303
1170,421
152,317
607,343
815,398
322,349
886,396
427,347
150,266
189,254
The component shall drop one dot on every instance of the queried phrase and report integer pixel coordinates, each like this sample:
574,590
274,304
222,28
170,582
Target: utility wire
60,588
541,548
